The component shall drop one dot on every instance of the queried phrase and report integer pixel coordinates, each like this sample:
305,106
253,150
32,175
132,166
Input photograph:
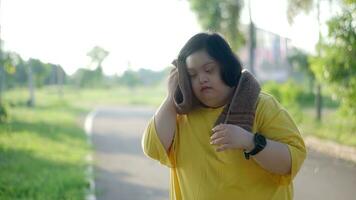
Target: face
204,73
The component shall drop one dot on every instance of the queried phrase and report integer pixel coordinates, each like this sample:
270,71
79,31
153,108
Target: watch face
261,140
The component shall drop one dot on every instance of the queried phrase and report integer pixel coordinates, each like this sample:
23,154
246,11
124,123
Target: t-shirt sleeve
277,125
153,147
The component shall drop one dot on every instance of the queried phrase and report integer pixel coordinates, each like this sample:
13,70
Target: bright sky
144,33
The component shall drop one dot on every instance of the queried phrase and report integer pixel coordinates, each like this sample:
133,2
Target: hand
172,82
228,136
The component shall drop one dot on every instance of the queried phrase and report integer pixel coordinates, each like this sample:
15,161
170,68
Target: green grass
42,155
333,127
43,149
124,96
88,98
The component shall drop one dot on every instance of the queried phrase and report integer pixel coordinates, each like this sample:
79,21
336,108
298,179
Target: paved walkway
124,173
122,170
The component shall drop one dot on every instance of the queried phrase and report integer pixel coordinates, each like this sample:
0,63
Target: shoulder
268,108
267,102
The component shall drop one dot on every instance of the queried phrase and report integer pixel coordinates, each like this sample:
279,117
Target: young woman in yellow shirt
221,137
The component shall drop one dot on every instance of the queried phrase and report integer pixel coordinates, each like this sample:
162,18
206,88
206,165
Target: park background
61,59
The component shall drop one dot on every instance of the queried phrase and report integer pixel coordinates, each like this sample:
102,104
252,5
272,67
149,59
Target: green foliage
92,78
17,71
3,113
130,78
292,94
142,77
336,65
221,16
40,71
296,6
288,94
88,78
349,2
299,61
14,71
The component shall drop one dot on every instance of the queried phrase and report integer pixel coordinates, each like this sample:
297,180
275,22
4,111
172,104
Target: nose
203,78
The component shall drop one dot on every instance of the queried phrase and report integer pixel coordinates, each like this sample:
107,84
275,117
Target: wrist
169,101
259,142
249,145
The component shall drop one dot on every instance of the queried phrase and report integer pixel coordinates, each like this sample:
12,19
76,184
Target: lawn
332,126
43,149
42,154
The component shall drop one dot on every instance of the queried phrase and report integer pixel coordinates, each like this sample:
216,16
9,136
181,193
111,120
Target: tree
221,16
97,55
224,16
2,73
294,8
336,66
130,78
40,71
37,72
15,69
299,61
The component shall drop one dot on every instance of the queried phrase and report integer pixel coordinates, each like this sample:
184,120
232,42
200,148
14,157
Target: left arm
275,157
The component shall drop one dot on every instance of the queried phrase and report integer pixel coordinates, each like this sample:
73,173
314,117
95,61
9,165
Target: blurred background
59,60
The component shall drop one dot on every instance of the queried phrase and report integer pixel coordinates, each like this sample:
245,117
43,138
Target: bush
290,95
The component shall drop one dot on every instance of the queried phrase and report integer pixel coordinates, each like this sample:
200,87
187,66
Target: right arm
165,116
165,122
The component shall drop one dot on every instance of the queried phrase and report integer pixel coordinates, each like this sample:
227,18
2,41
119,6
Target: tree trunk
31,101
252,49
318,98
60,81
318,102
252,42
2,81
2,71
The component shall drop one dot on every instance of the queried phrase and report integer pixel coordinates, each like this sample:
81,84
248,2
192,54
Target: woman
221,137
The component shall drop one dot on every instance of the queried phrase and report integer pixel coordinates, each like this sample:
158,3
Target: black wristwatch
260,143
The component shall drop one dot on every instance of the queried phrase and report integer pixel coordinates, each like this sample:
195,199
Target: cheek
195,86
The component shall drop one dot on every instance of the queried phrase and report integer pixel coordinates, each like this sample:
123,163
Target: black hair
218,49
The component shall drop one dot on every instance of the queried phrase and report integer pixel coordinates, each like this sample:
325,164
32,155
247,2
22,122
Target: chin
211,104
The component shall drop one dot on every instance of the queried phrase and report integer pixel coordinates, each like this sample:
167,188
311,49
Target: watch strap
260,143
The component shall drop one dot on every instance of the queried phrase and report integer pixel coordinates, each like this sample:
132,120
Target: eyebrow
210,62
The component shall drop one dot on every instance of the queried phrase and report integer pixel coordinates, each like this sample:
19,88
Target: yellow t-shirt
198,172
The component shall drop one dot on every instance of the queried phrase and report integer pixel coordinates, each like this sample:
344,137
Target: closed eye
209,69
192,74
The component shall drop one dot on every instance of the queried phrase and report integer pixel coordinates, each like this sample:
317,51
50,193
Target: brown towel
241,109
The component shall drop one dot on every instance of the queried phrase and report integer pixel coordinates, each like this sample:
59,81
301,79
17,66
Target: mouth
205,88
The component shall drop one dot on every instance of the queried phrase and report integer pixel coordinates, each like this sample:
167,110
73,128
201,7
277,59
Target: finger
219,141
175,62
223,147
218,128
217,135
173,72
